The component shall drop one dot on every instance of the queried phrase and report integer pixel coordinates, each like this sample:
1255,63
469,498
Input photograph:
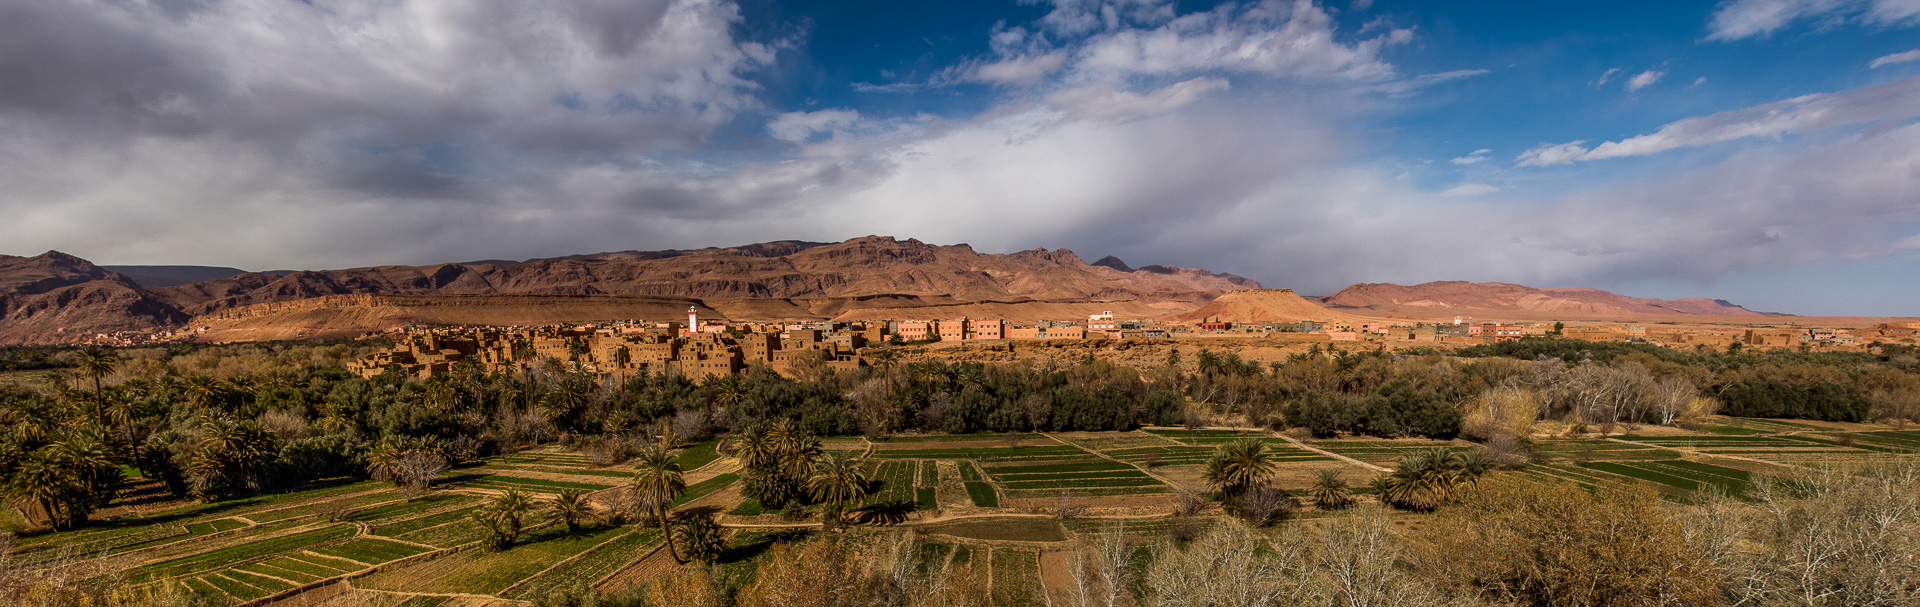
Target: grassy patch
449,535
494,572
982,494
1074,466
371,550
400,528
748,508
700,454
595,564
702,488
502,481
231,555
1646,475
1016,577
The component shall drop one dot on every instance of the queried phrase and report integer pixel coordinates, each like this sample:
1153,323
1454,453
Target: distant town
700,348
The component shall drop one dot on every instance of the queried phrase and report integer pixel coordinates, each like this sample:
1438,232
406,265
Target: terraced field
990,473
1590,449
1384,451
263,546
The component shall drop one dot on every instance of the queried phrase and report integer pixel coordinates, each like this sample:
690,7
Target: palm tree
97,362
837,481
228,456
571,507
794,449
1330,491
656,484
1428,478
202,390
88,459
700,535
885,361
753,448
504,517
1238,465
728,391
46,484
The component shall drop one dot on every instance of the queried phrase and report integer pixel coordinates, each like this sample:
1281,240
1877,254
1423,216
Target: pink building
987,329
915,331
952,330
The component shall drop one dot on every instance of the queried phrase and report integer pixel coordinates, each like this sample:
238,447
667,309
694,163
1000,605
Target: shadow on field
752,549
884,513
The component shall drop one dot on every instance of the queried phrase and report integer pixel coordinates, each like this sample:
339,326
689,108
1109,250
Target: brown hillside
339,316
866,266
1261,305
56,297
1450,298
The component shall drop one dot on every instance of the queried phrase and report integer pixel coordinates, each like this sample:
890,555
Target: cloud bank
268,134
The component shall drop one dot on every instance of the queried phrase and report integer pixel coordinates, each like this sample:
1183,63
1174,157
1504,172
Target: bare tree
1229,566
415,471
1067,506
1355,564
1116,564
1262,505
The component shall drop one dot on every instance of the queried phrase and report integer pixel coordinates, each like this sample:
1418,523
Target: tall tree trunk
667,534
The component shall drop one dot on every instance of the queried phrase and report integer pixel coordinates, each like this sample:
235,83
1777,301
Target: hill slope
1261,305
1449,298
841,276
54,297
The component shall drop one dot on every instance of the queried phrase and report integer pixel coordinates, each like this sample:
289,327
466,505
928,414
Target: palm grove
214,423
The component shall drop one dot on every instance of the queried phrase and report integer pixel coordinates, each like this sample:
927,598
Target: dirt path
1056,578
1696,453
1296,443
1163,480
715,468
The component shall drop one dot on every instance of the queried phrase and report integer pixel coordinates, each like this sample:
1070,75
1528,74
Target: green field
260,546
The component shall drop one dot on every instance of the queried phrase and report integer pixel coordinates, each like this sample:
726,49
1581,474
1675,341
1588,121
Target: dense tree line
217,422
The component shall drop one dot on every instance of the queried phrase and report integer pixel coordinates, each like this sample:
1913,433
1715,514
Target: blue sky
1761,151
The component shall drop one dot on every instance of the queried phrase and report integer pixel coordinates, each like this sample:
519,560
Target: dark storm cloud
366,118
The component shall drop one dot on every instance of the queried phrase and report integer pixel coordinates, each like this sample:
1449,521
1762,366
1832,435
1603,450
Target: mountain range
57,298
1444,298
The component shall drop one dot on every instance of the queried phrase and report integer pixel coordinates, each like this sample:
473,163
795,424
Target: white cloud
1406,86
1469,189
1739,19
1644,79
798,126
1913,55
1473,157
1105,102
1267,38
1021,70
1606,76
1548,154
1897,100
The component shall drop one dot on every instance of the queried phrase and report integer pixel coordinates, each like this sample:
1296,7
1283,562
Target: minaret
693,320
